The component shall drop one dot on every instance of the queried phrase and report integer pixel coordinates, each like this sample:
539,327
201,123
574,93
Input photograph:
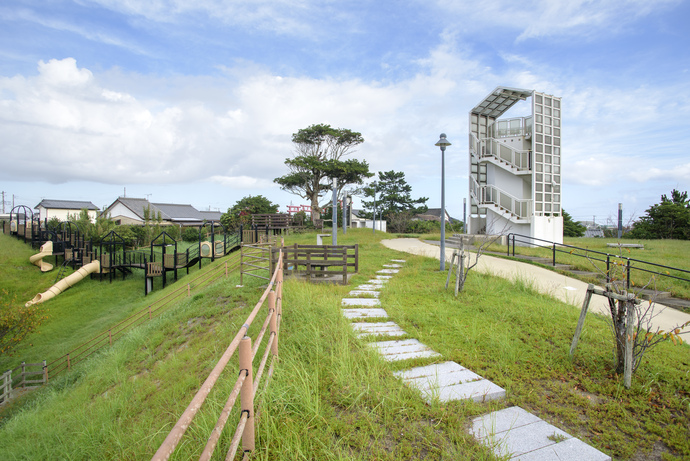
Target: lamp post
443,143
373,224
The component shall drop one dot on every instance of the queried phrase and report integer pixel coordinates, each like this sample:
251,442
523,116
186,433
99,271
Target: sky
196,101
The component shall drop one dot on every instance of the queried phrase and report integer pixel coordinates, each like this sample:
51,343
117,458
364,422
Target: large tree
241,212
572,228
317,161
393,196
669,219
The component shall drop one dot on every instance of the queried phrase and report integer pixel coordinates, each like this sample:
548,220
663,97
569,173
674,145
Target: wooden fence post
247,393
629,321
274,321
21,383
45,372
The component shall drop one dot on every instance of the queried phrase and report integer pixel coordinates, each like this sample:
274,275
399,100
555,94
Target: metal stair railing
507,203
501,152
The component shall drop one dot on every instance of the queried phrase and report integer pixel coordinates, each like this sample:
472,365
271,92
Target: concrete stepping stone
392,265
367,286
367,302
399,260
403,350
387,271
517,433
384,277
378,329
365,293
377,282
365,313
450,381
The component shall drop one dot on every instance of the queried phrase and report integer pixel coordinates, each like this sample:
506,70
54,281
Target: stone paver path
365,293
378,329
450,381
403,349
512,432
523,436
364,313
360,302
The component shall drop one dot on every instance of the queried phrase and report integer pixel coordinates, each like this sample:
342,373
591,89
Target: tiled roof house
126,210
62,209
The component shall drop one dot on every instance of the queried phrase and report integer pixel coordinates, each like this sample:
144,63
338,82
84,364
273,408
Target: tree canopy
572,228
669,219
393,196
240,212
317,161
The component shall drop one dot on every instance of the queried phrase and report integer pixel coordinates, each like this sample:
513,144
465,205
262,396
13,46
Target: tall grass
332,397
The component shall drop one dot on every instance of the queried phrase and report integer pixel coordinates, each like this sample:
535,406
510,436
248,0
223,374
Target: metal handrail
555,248
490,194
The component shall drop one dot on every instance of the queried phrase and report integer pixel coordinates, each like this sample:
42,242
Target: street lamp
443,143
373,223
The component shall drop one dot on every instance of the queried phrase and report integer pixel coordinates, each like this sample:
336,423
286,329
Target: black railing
593,255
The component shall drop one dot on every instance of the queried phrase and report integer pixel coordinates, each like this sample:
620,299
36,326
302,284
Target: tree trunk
619,324
315,210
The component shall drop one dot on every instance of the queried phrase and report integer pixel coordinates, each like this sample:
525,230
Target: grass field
333,398
75,315
673,253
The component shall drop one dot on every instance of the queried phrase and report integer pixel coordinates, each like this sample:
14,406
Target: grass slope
333,398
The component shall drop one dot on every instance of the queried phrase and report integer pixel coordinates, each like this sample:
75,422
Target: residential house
64,209
126,210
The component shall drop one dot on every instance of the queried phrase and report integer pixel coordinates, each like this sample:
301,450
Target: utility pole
620,220
3,202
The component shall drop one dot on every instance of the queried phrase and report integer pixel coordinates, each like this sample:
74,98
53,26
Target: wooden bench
319,262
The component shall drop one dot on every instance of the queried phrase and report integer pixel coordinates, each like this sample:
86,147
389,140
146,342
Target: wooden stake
581,321
629,321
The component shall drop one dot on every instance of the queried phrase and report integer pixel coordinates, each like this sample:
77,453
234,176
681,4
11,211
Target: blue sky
196,101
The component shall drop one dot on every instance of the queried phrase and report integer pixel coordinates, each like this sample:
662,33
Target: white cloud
293,17
544,18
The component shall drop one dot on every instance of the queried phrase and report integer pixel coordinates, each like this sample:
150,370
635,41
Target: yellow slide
65,283
37,259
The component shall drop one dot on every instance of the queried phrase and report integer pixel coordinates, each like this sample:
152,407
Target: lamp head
443,142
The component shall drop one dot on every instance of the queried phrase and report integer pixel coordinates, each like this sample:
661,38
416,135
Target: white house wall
63,215
119,211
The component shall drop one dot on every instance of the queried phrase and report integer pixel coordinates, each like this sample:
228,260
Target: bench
625,245
319,262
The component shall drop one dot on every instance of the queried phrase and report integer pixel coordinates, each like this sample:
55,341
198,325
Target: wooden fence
246,384
325,262
22,377
277,221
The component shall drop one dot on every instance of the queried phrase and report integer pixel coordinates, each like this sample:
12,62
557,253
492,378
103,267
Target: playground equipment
69,243
37,259
65,283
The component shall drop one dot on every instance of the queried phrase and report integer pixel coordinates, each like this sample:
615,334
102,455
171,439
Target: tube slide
37,259
65,283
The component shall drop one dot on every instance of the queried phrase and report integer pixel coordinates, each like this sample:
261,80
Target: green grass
74,316
672,253
331,397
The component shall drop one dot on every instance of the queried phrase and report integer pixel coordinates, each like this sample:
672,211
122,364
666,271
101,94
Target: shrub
190,234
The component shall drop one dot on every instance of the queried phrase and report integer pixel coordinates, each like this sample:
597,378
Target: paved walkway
567,289
510,432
